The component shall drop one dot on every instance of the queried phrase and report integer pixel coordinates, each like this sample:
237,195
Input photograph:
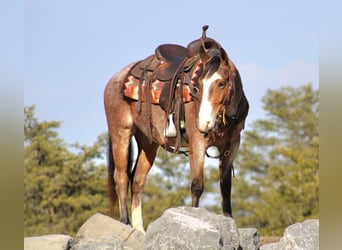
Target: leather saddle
167,63
164,63
167,59
172,65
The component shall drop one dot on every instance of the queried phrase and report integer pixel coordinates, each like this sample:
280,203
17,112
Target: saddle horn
194,47
203,51
204,35
204,43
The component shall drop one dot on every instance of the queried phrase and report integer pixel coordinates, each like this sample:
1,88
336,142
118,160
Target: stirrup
170,130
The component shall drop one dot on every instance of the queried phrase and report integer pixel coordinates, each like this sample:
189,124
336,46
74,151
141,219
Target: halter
221,117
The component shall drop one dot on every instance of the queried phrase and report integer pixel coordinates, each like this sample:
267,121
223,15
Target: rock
249,238
191,228
101,232
177,228
299,236
51,242
303,235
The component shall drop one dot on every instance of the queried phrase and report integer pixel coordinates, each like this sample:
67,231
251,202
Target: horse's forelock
212,66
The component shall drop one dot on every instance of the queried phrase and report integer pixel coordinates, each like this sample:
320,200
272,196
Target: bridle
221,118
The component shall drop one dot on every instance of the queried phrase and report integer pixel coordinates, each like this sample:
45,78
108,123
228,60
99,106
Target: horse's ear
224,56
203,52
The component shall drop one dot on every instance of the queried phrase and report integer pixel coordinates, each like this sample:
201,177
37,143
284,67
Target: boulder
101,232
299,236
51,242
191,228
303,235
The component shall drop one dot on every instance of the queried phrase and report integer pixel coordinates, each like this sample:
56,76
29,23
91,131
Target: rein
186,153
225,102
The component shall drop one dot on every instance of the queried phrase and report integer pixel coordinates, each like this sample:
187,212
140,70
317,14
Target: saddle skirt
131,90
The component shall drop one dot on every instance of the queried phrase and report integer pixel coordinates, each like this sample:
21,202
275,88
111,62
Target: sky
72,48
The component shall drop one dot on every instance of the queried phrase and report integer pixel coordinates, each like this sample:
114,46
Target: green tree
277,182
63,184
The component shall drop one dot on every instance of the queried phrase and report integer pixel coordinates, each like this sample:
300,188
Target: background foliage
63,184
276,181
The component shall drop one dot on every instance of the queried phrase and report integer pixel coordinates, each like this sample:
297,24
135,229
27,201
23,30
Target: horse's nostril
207,125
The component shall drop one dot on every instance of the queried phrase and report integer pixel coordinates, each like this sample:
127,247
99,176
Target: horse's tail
113,198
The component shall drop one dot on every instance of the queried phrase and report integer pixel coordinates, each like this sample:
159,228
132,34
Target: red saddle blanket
131,90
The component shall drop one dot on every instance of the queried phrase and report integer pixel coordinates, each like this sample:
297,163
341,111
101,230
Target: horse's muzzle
204,127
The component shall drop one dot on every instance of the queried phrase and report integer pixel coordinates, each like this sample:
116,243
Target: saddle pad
131,90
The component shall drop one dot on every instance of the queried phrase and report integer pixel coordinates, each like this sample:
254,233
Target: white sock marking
137,221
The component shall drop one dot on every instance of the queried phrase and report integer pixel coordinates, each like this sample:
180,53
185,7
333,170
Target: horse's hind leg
146,155
120,148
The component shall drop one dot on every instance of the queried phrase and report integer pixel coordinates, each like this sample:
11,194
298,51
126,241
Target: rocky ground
177,228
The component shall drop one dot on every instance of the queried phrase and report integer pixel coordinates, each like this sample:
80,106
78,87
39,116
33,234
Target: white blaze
206,118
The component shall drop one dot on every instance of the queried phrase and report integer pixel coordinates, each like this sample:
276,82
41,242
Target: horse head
215,84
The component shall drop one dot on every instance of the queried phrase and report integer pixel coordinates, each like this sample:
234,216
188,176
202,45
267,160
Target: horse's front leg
196,157
226,185
146,155
227,155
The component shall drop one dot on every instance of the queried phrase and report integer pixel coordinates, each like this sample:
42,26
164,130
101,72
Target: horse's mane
214,63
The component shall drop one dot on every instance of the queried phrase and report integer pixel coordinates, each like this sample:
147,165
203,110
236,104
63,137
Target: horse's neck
232,109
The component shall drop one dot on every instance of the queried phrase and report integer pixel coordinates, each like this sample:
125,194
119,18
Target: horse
178,98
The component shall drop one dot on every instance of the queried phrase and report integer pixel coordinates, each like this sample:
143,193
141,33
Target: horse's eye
221,85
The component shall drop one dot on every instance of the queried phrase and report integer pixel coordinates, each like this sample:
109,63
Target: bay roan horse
177,98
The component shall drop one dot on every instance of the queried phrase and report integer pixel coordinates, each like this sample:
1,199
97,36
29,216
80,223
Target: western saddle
172,66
